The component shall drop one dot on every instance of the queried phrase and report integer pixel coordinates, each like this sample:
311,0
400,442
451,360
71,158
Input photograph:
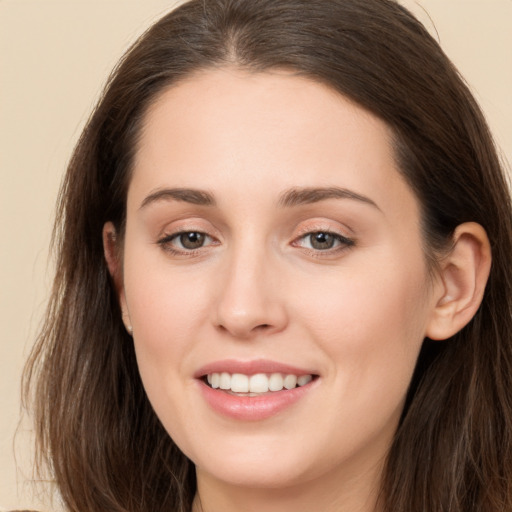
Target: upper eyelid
170,236
345,240
187,226
166,243
326,226
300,234
305,227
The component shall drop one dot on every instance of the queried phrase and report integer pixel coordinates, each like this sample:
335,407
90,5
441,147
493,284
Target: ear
463,276
113,257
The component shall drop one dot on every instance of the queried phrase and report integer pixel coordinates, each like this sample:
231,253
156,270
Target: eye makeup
318,242
186,242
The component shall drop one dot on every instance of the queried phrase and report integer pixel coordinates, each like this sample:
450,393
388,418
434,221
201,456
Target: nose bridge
249,301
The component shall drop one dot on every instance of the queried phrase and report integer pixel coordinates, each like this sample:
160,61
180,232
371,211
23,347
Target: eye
323,241
186,241
191,240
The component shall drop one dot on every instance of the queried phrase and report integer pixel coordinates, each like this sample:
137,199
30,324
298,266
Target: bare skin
267,220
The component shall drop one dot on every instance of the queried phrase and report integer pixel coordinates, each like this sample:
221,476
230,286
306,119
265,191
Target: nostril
262,327
246,332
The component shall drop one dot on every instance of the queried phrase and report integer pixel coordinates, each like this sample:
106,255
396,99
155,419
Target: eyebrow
300,196
186,195
294,197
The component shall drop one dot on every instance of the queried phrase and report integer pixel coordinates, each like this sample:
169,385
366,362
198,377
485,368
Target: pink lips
251,408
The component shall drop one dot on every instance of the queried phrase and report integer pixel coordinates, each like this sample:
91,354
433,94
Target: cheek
357,297
164,299
371,323
371,327
167,310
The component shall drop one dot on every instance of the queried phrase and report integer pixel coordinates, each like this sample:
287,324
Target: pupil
322,241
192,240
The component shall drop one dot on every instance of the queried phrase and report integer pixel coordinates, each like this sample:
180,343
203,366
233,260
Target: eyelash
166,243
343,243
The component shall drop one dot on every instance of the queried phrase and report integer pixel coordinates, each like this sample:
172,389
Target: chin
256,462
268,475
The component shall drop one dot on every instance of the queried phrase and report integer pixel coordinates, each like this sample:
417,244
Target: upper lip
251,368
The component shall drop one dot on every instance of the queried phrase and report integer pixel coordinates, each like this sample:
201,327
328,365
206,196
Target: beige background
54,58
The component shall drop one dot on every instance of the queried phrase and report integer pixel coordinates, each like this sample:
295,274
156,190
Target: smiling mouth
255,385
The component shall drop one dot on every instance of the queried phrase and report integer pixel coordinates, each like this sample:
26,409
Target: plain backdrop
54,58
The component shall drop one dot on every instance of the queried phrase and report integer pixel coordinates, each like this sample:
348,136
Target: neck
330,493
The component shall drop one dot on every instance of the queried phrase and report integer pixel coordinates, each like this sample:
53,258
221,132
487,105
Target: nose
250,299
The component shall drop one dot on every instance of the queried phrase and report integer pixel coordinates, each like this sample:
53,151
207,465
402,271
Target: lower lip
253,408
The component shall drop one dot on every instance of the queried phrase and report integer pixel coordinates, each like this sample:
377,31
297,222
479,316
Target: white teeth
239,383
290,381
304,379
257,383
225,381
275,383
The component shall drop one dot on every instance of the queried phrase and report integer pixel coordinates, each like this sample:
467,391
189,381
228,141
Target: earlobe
113,258
462,279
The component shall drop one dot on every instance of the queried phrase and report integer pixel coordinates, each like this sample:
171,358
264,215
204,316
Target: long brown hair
96,430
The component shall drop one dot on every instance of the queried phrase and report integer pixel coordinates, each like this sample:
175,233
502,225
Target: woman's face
270,238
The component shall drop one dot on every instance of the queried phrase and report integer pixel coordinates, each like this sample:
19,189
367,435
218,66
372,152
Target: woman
274,286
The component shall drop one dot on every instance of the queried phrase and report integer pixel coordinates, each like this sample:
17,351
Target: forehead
233,132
